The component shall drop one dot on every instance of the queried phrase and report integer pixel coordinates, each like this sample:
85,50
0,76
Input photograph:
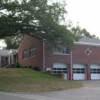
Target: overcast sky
86,13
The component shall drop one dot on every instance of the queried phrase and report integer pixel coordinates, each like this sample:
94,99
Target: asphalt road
90,91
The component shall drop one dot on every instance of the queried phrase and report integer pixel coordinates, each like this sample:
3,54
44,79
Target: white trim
78,66
87,43
55,53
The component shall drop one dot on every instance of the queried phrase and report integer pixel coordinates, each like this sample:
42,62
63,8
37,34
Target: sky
86,13
2,44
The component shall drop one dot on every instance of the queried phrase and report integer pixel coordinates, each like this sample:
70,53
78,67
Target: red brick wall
29,42
53,58
50,58
80,56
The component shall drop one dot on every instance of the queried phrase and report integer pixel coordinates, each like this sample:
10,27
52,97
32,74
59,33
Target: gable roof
88,41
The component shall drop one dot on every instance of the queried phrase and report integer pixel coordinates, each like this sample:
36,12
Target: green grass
27,80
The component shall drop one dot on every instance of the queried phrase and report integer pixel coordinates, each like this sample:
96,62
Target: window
33,52
78,70
95,71
29,53
59,68
26,53
61,50
66,50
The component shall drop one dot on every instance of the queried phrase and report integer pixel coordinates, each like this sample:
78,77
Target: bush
36,68
18,65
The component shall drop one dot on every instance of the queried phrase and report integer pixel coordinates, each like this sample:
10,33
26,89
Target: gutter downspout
71,65
43,55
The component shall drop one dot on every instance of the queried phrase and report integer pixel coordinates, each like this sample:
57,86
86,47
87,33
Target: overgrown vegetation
27,80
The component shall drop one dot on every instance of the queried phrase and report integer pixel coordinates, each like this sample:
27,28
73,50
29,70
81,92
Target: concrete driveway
90,91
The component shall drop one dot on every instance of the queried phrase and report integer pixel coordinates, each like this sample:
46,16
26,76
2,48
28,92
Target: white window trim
55,53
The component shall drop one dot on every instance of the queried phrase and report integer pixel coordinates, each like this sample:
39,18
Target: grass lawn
27,80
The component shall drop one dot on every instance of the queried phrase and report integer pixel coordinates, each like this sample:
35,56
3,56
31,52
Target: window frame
95,71
61,51
29,53
59,70
26,54
78,70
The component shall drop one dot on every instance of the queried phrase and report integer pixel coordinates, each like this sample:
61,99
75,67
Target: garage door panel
78,76
95,76
78,72
78,66
95,72
59,68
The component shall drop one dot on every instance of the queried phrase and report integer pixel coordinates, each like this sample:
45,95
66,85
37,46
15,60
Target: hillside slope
27,80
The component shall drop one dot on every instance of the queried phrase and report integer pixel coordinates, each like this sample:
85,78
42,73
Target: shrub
18,65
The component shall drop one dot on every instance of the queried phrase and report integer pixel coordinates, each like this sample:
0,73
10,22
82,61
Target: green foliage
18,65
78,33
41,18
13,42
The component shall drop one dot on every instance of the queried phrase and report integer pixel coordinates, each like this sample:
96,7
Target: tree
38,18
78,33
13,42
